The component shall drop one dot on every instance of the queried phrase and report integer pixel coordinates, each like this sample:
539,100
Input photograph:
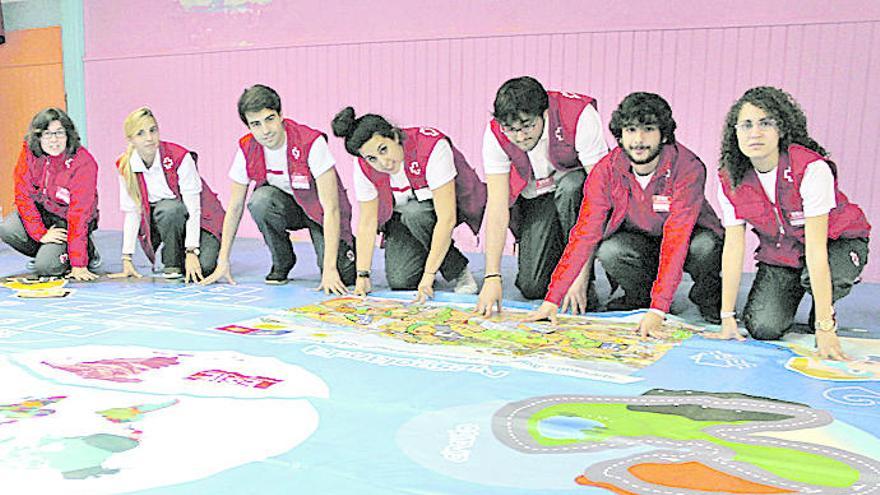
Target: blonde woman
166,203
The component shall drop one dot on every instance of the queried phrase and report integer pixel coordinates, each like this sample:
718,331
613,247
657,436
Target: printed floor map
164,388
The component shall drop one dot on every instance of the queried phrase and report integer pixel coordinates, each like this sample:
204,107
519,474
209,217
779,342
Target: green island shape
619,420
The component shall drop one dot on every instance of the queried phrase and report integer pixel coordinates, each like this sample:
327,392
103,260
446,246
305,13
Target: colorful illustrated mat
171,389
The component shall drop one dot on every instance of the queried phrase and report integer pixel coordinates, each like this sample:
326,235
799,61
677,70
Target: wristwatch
195,251
363,274
828,325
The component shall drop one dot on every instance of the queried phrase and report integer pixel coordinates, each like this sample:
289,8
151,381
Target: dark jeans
168,227
544,223
777,291
633,258
408,235
275,212
50,260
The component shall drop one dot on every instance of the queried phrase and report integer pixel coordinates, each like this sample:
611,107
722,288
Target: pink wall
434,64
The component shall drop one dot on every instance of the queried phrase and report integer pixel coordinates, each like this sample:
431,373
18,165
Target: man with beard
537,151
646,218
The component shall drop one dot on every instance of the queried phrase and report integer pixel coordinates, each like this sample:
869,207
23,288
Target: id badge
796,218
423,194
661,203
545,185
299,181
63,195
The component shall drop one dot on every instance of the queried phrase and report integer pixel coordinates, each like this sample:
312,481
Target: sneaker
95,262
465,283
171,273
626,303
277,277
31,266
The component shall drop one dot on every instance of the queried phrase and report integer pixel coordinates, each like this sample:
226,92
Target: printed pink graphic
122,370
221,376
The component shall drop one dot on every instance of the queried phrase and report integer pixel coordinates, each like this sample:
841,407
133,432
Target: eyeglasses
763,125
47,135
526,127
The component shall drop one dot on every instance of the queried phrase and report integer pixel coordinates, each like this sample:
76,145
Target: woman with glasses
776,178
416,186
56,200
166,203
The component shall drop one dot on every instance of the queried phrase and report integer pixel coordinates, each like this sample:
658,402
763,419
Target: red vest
65,186
612,195
564,110
780,227
418,143
299,142
171,156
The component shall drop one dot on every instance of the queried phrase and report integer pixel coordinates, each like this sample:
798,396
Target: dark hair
643,109
522,95
256,98
790,121
357,131
41,122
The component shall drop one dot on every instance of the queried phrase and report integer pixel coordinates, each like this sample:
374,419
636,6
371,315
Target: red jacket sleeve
24,201
688,194
587,231
83,203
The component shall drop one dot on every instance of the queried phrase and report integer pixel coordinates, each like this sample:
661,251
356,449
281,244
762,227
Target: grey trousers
408,237
50,260
275,212
777,290
544,225
168,227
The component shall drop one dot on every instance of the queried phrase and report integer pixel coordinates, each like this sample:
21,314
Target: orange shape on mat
691,476
583,480
698,476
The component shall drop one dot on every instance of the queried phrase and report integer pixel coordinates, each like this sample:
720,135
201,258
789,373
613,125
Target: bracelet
728,314
363,274
492,275
126,257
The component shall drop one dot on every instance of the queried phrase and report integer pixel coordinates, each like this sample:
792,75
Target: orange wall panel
31,78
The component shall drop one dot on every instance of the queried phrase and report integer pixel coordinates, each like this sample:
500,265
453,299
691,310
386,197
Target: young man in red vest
297,187
646,218
537,152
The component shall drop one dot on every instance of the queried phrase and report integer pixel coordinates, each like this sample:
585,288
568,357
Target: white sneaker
465,283
31,266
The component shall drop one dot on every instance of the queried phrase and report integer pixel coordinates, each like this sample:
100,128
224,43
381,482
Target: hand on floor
729,331
331,283
222,270
547,311
128,270
82,274
828,346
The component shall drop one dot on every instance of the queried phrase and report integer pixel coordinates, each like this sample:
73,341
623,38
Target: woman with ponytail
56,200
166,203
415,186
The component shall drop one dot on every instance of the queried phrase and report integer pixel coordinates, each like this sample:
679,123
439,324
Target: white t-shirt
157,189
589,144
320,161
644,180
439,171
817,192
